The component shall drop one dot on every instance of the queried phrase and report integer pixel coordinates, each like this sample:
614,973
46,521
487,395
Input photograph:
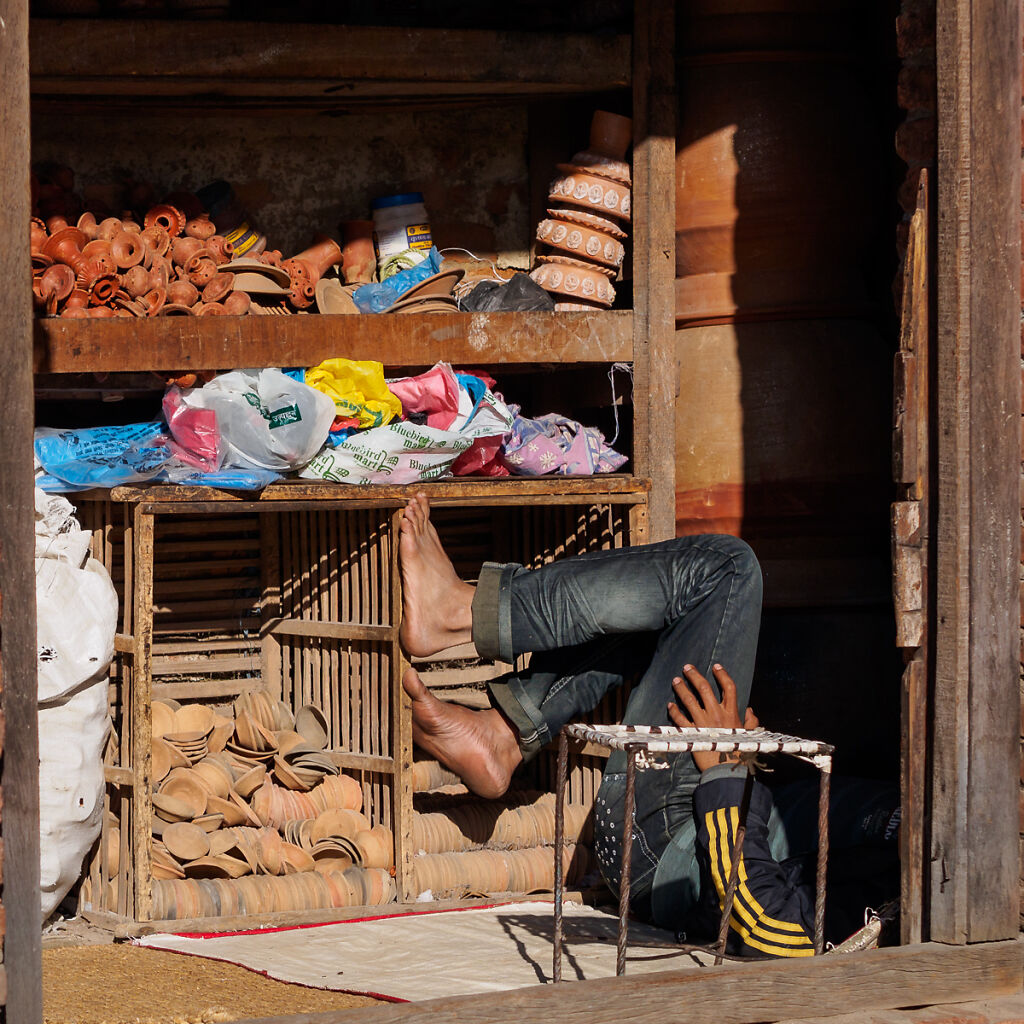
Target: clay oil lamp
75,313
87,225
271,257
127,249
101,287
220,248
123,301
200,227
133,227
213,309
183,249
56,283
37,235
66,246
99,251
40,261
78,299
168,217
56,223
160,272
136,281
302,293
200,268
176,309
102,313
359,256
108,227
182,293
218,287
237,303
154,301
156,241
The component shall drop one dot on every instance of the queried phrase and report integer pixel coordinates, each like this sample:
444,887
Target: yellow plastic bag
357,389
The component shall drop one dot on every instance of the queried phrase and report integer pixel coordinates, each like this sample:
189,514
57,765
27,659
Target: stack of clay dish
434,295
334,298
252,740
582,236
190,730
428,775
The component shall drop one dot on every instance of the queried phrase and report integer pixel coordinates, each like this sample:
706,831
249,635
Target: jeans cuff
533,732
492,612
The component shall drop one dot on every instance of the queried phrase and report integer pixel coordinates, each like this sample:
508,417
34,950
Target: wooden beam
974,827
317,629
22,953
243,58
654,357
765,991
407,340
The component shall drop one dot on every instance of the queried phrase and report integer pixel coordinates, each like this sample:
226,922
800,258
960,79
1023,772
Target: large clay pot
776,181
782,438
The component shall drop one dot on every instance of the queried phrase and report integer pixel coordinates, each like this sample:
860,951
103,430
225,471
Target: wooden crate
298,593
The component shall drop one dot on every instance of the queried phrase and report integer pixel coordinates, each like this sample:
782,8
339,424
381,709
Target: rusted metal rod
627,859
734,867
819,896
563,760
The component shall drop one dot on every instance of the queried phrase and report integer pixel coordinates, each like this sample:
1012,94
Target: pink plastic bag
196,437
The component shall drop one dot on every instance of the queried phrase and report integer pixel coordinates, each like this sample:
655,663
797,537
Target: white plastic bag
76,614
266,419
404,452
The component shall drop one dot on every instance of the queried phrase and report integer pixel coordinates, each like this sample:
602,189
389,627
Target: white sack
76,612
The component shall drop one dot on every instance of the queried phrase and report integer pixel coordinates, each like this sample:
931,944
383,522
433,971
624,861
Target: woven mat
431,954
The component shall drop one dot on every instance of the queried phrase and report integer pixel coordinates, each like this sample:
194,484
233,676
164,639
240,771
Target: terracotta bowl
186,841
601,195
230,812
186,789
171,809
580,241
575,282
216,777
194,718
312,726
163,718
247,784
209,822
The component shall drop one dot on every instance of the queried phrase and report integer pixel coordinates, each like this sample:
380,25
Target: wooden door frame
975,749
19,776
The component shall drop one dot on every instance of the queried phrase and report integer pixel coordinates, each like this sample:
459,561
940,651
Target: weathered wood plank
654,353
974,893
362,762
19,855
408,340
256,58
329,630
735,994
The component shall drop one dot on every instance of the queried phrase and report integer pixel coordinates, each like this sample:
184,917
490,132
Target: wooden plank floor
769,991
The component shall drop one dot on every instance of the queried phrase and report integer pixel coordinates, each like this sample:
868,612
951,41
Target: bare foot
479,746
437,607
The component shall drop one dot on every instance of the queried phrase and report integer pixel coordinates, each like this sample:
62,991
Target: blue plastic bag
103,456
376,298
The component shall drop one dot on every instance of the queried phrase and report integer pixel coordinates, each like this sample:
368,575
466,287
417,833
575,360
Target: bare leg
437,607
479,746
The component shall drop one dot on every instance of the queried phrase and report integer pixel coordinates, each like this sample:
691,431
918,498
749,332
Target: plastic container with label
400,226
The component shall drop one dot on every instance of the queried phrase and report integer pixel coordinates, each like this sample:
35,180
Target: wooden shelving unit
244,69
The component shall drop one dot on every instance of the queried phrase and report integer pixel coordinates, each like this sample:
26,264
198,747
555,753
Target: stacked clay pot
581,240
469,846
172,264
248,808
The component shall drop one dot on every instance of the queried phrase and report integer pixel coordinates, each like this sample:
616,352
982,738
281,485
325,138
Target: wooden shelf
329,66
605,488
211,343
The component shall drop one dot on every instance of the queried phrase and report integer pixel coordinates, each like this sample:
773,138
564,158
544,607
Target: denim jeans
596,620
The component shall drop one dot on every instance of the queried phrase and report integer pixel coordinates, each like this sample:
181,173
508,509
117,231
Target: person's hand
705,711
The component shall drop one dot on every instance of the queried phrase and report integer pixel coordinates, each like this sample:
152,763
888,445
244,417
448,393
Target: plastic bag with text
405,452
266,419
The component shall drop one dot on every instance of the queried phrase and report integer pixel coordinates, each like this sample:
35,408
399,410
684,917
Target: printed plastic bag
405,452
266,419
376,298
357,389
103,456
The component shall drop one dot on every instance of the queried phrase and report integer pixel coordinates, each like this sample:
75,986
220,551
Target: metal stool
639,741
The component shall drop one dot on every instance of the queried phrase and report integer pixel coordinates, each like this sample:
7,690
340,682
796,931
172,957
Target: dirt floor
125,984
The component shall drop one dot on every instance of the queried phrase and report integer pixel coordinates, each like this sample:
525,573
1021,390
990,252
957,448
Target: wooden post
974,863
22,955
654,359
141,711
